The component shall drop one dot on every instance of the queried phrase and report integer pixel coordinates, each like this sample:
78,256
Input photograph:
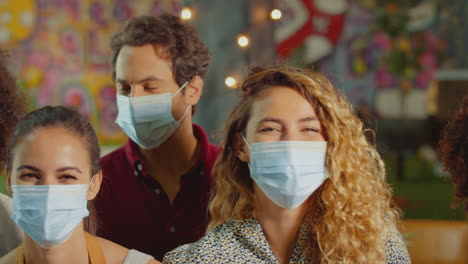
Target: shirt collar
134,158
252,234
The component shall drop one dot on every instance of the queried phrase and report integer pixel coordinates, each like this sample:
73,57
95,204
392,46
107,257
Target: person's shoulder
395,249
11,234
114,253
197,252
5,203
137,257
9,257
4,197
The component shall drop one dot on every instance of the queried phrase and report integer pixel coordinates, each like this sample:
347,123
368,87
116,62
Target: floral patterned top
243,241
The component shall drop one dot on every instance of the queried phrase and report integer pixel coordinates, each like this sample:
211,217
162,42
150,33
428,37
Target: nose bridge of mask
148,108
277,146
289,153
155,108
63,196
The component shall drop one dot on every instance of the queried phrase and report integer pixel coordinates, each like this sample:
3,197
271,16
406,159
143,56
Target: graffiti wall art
61,52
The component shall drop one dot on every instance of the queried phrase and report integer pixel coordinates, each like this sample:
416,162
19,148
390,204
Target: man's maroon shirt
134,211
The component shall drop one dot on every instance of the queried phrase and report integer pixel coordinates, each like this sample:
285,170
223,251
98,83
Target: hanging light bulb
231,82
275,14
186,13
243,40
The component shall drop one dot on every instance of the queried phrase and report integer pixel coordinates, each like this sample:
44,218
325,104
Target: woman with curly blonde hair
296,181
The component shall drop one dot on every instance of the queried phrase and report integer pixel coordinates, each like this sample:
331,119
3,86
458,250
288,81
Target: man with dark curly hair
454,153
12,108
156,187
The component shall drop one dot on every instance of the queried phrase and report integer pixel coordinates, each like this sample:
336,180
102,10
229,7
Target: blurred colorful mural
61,53
382,54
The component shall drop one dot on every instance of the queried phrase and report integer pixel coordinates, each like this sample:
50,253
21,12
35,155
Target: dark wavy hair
178,40
12,106
453,149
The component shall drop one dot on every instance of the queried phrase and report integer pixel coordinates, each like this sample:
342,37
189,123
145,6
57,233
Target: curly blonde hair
352,212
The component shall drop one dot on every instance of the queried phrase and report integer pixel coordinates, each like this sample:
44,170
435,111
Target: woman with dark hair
53,173
296,181
12,108
454,153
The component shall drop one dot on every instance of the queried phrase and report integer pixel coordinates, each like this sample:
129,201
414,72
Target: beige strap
96,256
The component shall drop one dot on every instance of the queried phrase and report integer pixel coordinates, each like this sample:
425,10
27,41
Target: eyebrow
29,167
68,168
35,169
268,119
276,120
308,119
147,79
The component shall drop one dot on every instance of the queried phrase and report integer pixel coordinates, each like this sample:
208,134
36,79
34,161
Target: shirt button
172,229
157,191
140,167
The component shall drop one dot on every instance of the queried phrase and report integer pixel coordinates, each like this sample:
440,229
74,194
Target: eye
269,130
26,176
311,129
67,177
123,89
150,87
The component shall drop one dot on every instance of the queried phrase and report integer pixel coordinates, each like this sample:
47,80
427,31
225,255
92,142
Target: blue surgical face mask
148,120
49,213
288,172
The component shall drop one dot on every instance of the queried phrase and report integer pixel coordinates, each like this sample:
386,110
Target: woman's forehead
281,102
51,147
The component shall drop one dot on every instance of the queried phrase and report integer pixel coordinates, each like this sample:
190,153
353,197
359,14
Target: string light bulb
231,82
186,13
275,14
243,40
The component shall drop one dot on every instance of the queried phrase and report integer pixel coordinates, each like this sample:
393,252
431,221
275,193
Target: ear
242,150
193,90
94,186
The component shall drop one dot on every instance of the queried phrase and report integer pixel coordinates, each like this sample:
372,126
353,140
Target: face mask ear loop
181,88
185,113
246,142
89,185
91,181
248,145
188,107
